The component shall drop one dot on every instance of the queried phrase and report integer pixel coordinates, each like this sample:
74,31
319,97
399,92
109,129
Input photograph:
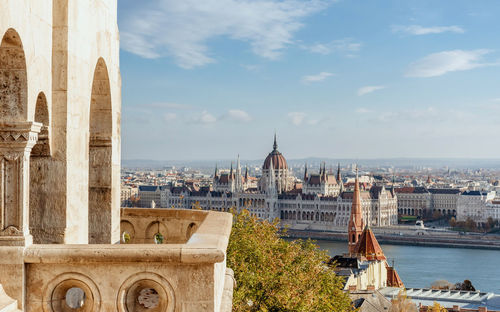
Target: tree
470,224
135,201
274,274
438,308
491,222
402,303
453,222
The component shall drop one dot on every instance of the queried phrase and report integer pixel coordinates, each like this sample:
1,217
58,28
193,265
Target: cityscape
249,156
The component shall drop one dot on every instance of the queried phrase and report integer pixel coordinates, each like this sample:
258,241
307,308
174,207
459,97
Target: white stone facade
477,205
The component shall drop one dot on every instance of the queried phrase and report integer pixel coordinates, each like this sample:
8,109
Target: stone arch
100,152
154,228
126,227
41,179
17,138
42,147
13,78
191,229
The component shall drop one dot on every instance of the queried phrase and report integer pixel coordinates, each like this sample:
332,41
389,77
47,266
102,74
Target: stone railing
189,274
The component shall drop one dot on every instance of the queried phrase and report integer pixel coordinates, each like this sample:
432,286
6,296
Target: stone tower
356,220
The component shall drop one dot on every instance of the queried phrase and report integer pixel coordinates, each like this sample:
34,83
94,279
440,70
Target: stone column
16,141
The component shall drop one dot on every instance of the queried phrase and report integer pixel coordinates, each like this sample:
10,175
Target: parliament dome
278,160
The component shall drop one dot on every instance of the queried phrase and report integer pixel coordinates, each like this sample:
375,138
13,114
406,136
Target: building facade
321,204
477,205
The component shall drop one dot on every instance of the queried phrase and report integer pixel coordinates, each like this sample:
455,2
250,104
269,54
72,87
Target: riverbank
428,240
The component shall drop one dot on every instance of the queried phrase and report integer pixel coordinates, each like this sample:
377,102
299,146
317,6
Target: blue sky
342,79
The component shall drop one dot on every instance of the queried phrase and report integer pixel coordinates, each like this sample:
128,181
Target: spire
216,173
272,183
305,173
275,145
231,172
246,173
339,175
356,219
238,175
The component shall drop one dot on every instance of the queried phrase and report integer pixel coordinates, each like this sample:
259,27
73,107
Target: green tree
274,274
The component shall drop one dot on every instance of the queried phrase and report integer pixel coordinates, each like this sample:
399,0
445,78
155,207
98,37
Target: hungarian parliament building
320,202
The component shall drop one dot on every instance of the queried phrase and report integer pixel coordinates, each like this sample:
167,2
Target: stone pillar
16,141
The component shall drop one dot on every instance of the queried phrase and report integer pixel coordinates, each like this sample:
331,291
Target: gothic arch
42,147
100,152
40,184
13,78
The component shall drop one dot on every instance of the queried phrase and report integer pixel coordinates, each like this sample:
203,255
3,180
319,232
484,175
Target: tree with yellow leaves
274,274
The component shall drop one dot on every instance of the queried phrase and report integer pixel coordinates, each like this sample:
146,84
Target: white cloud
363,110
369,89
181,29
239,115
315,78
170,105
251,67
205,118
440,63
347,46
428,114
170,116
297,118
420,30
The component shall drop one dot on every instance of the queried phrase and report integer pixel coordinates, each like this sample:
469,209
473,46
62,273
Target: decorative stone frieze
16,141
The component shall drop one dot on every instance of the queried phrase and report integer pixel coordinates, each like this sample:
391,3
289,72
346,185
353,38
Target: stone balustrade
186,276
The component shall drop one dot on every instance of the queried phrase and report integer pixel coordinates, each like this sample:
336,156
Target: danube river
420,266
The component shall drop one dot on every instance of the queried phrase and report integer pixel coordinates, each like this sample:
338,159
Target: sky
211,79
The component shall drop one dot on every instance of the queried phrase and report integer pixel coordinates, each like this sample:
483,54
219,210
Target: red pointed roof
368,247
393,279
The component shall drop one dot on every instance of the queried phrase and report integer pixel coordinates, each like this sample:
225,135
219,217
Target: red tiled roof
393,279
368,247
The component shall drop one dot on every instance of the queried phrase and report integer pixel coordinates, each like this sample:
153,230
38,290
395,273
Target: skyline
335,79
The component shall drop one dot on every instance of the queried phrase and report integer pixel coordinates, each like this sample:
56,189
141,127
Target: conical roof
368,247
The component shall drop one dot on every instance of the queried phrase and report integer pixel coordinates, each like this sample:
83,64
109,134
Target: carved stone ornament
10,136
12,156
11,231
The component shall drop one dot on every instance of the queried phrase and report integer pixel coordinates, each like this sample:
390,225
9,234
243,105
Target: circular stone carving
146,292
71,292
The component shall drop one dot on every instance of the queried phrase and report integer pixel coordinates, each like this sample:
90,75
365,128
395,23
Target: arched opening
13,78
40,178
100,152
14,136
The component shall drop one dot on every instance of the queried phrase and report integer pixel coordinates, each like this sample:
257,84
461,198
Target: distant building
414,201
424,202
321,203
476,205
444,201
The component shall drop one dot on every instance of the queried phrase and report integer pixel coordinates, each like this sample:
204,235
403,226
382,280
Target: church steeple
356,220
275,145
339,175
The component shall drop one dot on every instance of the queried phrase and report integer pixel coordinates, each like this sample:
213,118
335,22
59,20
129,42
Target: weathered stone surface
59,178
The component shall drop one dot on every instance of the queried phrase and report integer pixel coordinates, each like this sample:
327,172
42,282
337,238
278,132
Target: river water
420,266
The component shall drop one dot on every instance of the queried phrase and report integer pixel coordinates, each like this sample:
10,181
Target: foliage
466,285
134,201
402,303
274,274
438,308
